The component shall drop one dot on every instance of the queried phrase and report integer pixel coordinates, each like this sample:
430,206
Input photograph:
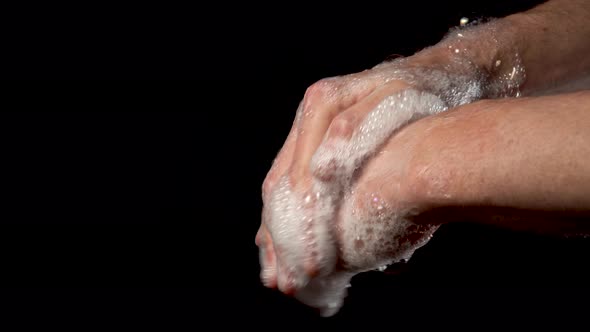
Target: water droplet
513,72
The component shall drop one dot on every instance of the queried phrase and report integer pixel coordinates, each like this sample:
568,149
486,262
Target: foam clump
300,228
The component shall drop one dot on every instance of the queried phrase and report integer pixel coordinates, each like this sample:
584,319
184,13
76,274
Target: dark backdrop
134,204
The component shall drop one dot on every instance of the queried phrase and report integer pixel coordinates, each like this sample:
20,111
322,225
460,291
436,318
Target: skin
493,160
522,164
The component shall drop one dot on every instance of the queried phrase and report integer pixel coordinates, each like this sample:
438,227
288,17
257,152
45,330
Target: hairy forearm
522,162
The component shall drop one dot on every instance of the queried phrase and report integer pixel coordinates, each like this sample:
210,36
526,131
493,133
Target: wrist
478,61
445,171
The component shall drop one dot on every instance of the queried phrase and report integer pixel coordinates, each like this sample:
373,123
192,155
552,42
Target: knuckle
342,125
259,238
322,89
267,185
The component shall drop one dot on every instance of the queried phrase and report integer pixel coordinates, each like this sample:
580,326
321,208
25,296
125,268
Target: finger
268,273
327,161
310,250
283,159
358,132
268,259
323,101
286,279
313,253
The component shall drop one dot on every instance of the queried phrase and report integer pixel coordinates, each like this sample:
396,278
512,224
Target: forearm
525,53
515,161
554,40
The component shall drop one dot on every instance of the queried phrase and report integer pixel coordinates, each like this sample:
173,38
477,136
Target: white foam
299,224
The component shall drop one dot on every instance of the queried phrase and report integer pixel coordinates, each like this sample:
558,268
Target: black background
134,204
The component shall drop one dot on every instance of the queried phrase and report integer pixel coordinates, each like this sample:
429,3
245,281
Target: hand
322,113
353,217
320,179
339,125
334,111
